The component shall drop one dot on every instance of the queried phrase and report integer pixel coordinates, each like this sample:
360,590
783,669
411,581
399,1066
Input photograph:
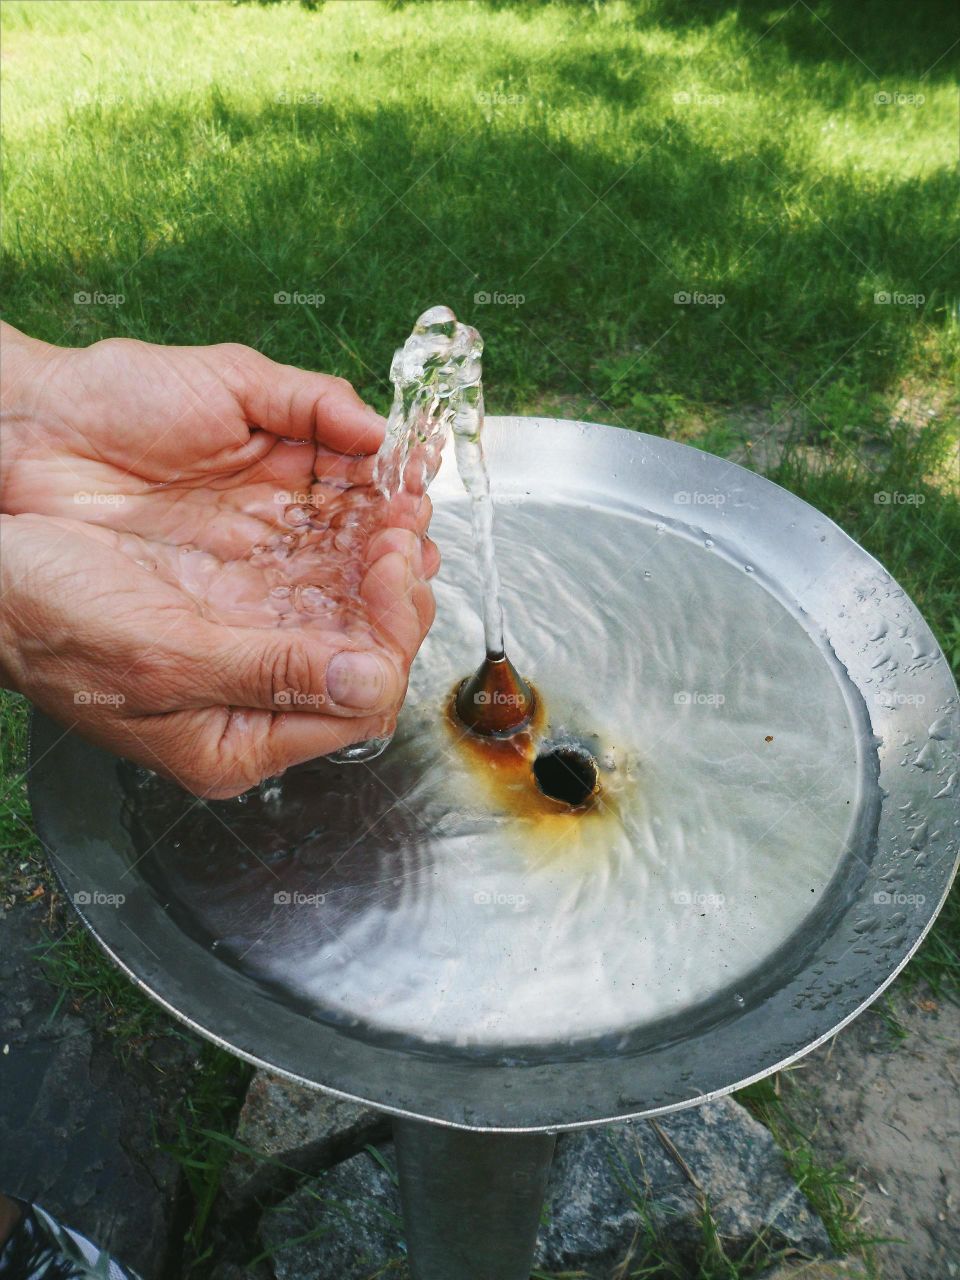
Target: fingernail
356,679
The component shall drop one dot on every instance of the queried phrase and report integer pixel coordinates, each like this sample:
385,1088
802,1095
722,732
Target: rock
344,1224
715,1156
292,1130
77,1125
599,1181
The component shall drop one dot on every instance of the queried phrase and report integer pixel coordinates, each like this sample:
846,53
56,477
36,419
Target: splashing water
436,376
302,563
437,387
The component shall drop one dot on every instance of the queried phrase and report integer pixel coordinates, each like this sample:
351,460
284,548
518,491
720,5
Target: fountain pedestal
471,1201
246,949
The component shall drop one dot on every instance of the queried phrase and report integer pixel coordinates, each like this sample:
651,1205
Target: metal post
471,1201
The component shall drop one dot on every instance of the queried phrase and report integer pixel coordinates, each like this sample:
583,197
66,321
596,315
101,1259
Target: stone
715,1156
344,1224
291,1130
76,1124
607,1188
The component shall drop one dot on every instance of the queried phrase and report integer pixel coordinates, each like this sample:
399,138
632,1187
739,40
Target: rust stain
504,767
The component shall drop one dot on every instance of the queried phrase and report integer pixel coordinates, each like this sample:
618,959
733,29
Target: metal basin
776,731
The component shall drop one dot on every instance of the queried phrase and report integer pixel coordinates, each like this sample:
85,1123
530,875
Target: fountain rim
515,1098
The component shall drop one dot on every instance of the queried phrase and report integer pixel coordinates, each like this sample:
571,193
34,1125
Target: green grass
595,159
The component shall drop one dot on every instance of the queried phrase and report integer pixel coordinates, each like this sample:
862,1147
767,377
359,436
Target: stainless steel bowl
890,881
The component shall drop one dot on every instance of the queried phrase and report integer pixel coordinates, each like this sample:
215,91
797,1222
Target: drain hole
566,774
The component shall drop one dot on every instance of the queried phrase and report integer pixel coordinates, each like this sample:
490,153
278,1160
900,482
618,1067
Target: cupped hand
196,570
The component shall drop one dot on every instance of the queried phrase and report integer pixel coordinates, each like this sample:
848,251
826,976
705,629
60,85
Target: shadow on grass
198,218
871,35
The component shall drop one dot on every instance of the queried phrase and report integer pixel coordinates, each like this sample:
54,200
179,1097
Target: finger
396,603
404,541
302,669
302,405
221,752
431,557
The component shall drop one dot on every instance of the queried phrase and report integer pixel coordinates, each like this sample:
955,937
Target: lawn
583,166
732,224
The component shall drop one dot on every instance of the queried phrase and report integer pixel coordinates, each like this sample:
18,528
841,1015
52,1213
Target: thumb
290,671
302,405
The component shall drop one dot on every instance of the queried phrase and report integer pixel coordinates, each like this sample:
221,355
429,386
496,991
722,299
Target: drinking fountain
727,824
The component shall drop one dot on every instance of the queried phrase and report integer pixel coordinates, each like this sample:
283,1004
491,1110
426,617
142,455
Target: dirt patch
888,1110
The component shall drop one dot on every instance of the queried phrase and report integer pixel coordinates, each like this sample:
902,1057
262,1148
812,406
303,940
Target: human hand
121,455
